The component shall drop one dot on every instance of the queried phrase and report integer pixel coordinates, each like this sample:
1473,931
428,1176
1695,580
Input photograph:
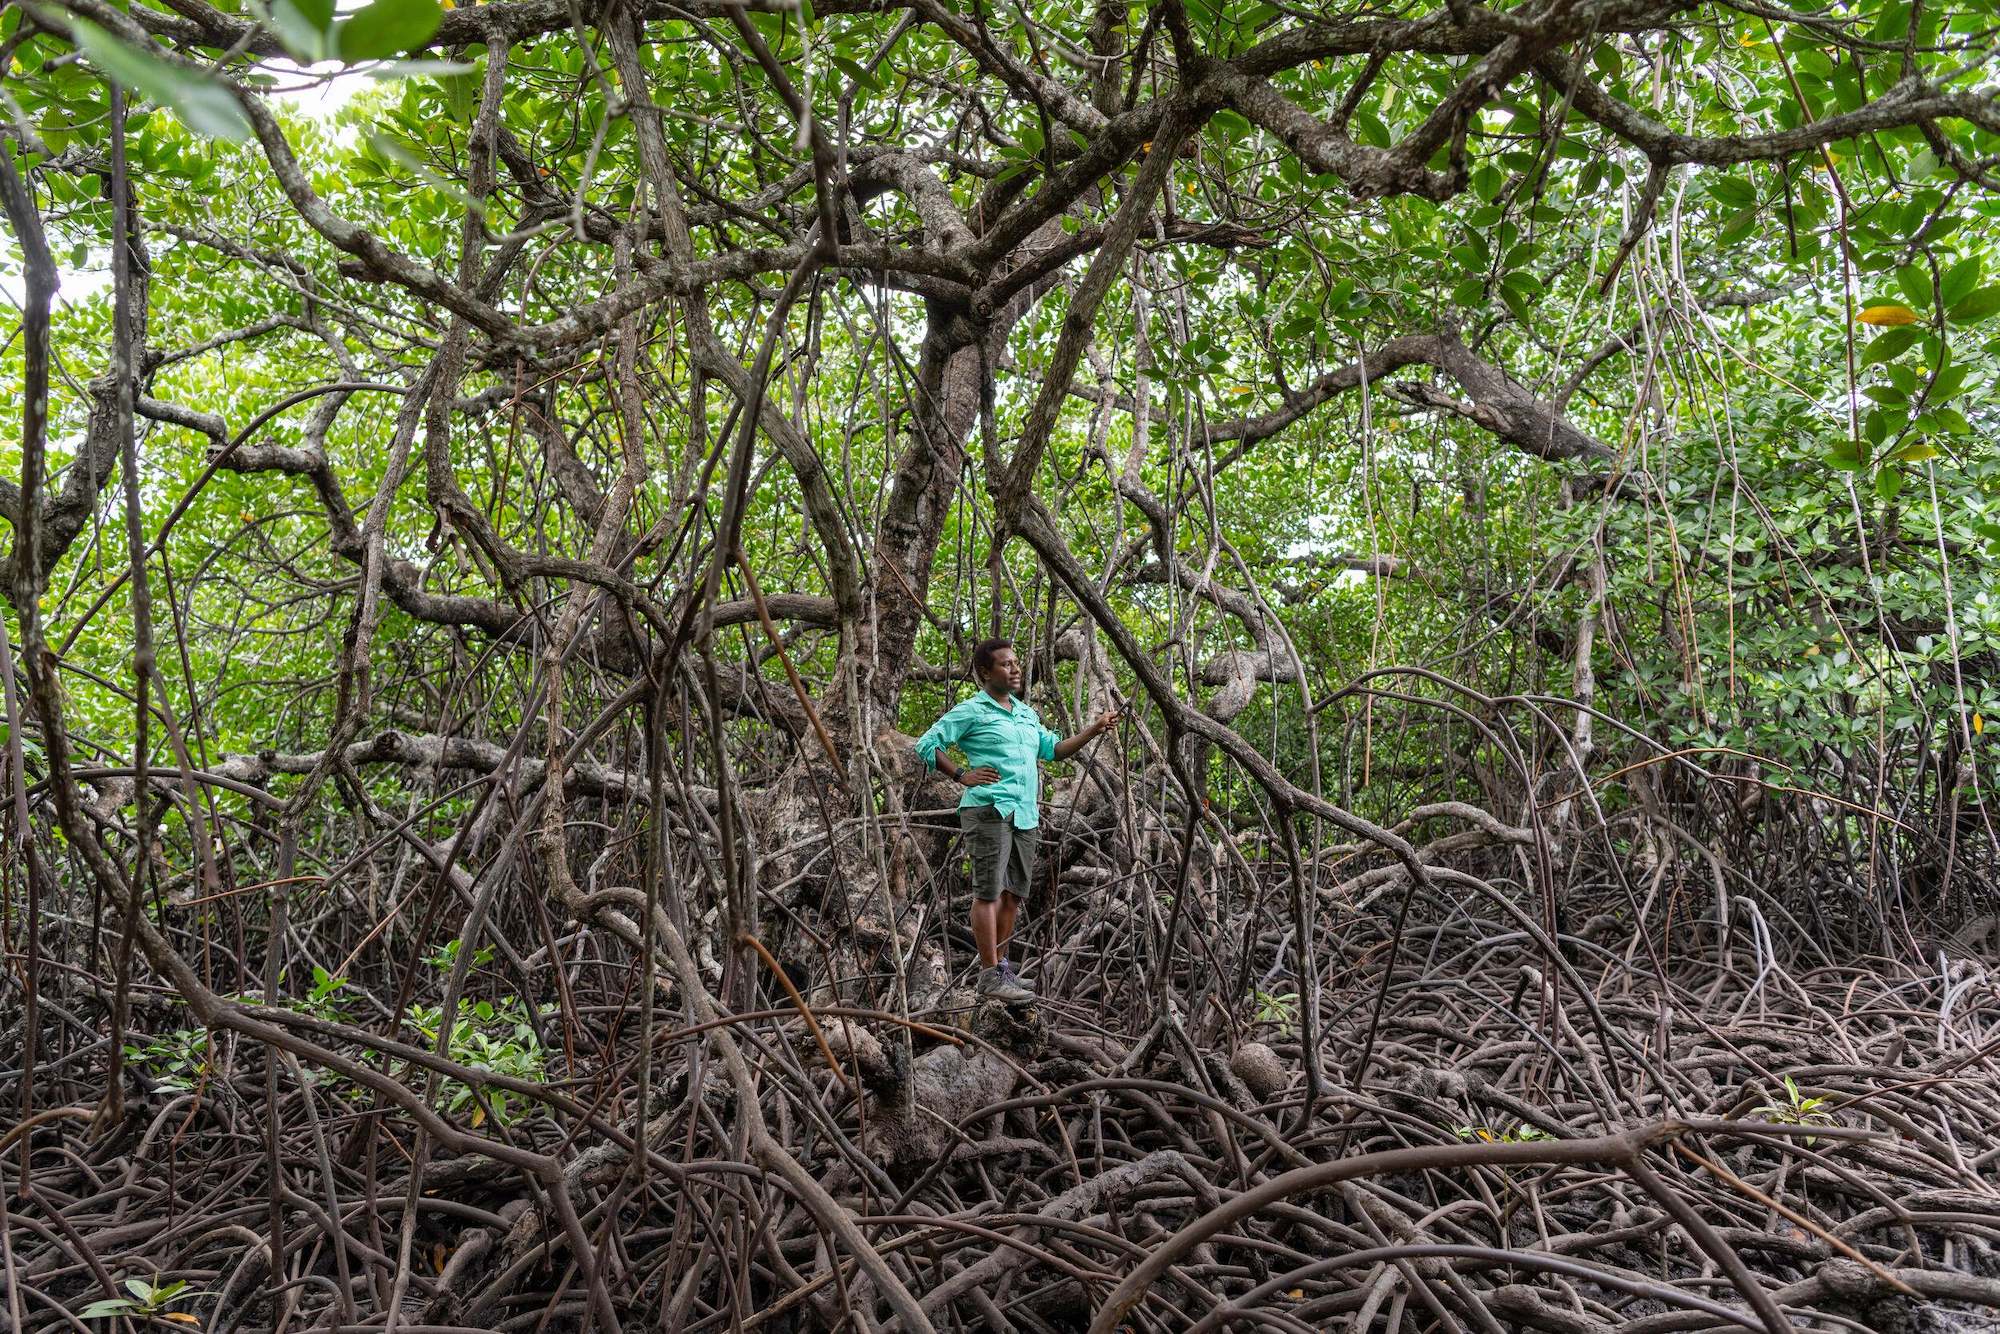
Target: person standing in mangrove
1004,742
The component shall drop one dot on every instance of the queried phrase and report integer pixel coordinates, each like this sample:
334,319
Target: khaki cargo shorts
1003,857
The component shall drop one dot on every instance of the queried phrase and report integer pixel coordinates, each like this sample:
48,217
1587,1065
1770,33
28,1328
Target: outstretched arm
1069,746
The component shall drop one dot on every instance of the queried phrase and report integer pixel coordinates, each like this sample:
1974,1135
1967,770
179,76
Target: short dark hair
984,652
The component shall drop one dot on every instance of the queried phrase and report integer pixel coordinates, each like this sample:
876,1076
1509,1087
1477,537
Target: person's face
1006,670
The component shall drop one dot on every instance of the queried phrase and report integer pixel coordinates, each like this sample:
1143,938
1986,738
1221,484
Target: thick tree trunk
928,472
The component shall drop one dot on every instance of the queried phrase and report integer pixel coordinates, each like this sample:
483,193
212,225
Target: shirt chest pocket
1014,735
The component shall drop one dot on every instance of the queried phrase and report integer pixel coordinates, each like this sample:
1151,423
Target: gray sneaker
996,985
1014,976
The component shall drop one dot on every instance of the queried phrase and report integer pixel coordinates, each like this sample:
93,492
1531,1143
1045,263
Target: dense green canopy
1463,299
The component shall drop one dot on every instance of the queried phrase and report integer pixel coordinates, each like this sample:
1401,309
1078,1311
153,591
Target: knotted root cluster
1570,1141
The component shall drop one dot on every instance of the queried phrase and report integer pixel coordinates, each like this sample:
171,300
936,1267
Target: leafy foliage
148,1301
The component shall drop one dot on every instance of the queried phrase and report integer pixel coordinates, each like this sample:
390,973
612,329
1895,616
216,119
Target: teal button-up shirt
1007,738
